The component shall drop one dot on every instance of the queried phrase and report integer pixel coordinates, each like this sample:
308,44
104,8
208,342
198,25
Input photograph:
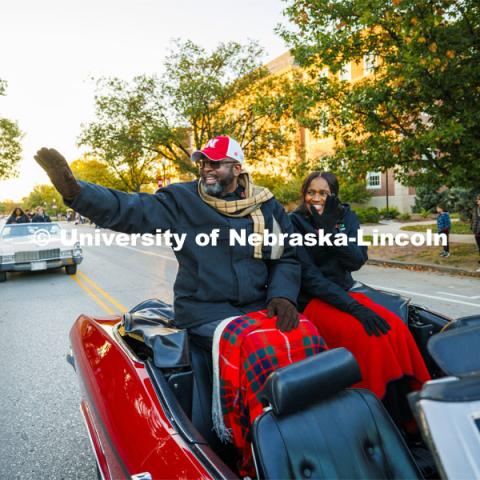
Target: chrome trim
142,476
70,358
35,255
93,445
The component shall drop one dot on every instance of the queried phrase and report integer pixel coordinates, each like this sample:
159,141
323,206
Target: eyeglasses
215,165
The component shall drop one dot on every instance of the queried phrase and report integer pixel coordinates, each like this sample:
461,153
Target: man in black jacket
214,282
40,216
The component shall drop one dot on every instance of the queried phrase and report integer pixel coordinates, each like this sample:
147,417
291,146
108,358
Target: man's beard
217,189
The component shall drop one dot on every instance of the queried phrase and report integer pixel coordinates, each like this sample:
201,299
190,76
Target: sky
51,49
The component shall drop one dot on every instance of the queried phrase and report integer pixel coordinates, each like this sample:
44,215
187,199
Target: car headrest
470,321
300,384
456,350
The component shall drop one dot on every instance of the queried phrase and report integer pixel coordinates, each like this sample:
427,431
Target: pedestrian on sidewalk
476,224
444,225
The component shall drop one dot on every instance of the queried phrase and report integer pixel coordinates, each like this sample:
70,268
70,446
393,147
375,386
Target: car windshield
27,229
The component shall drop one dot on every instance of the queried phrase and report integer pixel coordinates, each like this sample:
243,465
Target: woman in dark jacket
18,216
379,340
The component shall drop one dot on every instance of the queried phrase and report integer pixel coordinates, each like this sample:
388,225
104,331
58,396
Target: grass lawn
457,227
462,255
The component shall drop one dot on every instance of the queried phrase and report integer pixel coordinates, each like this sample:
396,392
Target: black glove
373,323
59,172
332,213
287,315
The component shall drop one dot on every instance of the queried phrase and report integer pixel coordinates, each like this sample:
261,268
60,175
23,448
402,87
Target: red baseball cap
220,148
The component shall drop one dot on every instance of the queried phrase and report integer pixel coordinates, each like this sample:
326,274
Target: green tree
428,197
199,95
10,147
44,196
7,206
419,110
96,171
456,199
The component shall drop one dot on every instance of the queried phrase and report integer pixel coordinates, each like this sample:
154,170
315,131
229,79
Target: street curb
427,267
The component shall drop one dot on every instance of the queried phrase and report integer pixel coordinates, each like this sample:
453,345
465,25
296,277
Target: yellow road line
91,294
100,290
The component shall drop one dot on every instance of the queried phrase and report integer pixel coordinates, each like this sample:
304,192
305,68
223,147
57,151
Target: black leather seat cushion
391,301
346,436
456,351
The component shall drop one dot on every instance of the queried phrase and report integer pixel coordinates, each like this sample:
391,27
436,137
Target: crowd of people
40,216
258,302
20,216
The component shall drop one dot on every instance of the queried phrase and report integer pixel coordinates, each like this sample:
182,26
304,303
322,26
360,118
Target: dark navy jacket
20,219
213,282
41,218
326,269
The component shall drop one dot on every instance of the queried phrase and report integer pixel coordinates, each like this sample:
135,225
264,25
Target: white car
29,247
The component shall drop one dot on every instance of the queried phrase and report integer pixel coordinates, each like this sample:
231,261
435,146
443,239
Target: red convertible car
146,401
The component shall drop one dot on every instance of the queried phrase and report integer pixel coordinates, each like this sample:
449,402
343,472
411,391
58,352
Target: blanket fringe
223,433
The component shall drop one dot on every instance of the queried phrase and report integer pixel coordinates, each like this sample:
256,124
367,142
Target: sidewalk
462,261
391,226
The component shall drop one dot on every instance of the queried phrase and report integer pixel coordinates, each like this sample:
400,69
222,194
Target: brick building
314,146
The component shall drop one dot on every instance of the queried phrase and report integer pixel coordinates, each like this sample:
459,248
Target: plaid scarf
245,351
250,205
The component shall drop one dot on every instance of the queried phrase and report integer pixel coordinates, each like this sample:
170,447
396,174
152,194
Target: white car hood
9,246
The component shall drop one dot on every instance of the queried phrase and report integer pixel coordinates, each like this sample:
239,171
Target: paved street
42,434
451,295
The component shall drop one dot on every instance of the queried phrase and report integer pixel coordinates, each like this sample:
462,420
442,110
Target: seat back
345,434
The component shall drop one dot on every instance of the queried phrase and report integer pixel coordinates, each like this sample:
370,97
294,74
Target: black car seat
391,301
202,404
202,392
316,428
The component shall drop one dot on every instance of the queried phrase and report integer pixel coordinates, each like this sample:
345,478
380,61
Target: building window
346,72
373,180
369,63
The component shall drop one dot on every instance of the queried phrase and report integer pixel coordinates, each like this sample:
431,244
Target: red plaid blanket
245,351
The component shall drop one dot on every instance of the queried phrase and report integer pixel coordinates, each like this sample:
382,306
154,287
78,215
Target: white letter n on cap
211,143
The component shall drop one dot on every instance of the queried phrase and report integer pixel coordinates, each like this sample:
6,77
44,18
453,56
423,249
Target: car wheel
3,276
71,269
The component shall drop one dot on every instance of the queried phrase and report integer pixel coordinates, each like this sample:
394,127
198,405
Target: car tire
3,276
71,269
